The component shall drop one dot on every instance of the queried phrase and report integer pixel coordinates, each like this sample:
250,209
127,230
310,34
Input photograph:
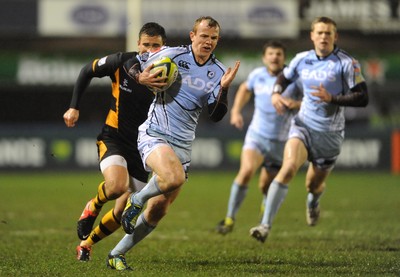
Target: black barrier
56,147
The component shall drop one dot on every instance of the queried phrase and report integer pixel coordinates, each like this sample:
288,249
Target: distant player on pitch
331,80
267,132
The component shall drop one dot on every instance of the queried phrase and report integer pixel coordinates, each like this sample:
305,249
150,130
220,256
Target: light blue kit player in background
331,80
267,133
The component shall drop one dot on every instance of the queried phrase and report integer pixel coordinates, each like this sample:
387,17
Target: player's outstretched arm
71,116
242,97
219,108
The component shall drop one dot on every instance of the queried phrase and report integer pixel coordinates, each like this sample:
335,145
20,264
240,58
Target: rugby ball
168,69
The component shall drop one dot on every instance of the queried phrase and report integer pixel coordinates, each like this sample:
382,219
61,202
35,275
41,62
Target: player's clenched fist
70,117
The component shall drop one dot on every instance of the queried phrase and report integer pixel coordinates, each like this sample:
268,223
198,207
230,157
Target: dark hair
211,23
274,44
323,19
153,29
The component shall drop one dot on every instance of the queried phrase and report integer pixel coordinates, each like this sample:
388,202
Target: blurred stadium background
44,43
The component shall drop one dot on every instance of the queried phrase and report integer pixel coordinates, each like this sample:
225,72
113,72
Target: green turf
358,234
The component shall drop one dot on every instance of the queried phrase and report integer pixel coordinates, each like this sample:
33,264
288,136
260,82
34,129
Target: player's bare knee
174,179
263,187
176,182
289,171
115,188
316,188
246,172
247,177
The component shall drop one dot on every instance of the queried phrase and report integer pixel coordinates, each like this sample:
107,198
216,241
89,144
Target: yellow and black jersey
130,100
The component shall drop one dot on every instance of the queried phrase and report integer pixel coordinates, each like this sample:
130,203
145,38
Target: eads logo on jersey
318,75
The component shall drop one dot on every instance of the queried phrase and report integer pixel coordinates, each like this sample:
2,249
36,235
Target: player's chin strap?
219,108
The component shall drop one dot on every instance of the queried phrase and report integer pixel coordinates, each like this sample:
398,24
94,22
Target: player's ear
192,34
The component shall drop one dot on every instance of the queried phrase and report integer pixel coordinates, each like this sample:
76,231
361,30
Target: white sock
236,197
276,195
142,229
150,190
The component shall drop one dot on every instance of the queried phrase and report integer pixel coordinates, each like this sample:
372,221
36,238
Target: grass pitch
358,233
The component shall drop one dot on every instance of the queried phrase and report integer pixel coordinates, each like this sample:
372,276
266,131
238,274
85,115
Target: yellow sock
100,198
108,225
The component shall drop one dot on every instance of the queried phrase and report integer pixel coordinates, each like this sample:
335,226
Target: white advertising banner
373,16
245,19
81,18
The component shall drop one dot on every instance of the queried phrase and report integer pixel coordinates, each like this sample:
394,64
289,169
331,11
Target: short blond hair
323,19
211,23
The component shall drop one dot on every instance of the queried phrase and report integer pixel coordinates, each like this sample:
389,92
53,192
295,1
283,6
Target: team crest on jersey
210,74
102,61
183,64
331,64
145,56
308,61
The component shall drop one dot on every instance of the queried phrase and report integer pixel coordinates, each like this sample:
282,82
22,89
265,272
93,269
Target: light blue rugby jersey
266,121
338,73
176,111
